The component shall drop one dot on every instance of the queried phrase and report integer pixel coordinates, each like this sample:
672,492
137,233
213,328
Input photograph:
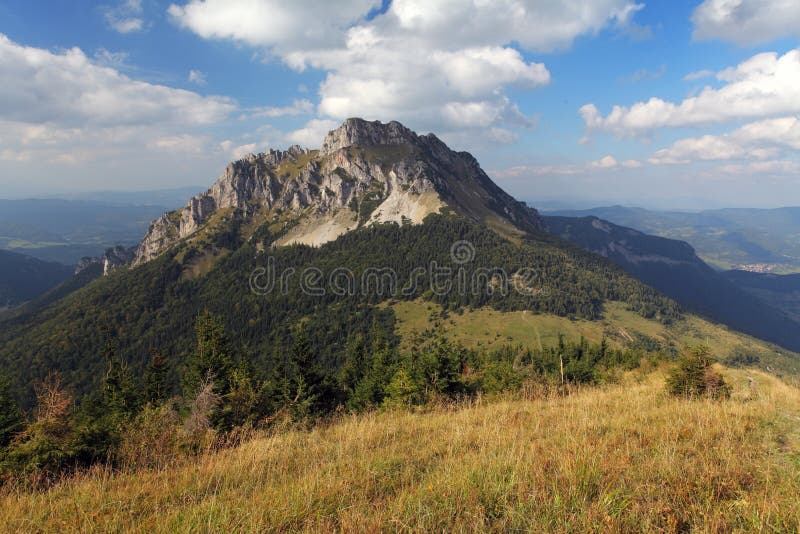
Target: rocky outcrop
85,263
361,133
118,256
365,172
112,258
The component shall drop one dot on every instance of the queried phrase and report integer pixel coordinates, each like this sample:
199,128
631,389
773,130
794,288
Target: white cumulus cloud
197,77
297,107
764,85
287,26
746,22
68,108
69,88
312,133
757,140
441,66
606,162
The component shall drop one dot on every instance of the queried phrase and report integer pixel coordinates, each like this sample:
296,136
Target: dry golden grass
624,457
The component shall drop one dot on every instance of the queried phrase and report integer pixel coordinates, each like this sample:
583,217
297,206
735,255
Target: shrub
694,376
401,391
197,429
151,439
46,446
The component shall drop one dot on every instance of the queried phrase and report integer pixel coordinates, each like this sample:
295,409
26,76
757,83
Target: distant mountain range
735,238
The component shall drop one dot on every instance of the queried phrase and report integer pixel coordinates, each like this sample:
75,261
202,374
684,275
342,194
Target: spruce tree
11,420
212,358
156,389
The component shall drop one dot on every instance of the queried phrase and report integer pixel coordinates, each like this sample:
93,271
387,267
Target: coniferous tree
11,420
121,394
156,389
104,415
212,358
47,444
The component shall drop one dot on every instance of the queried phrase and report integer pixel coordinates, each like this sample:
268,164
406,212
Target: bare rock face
366,172
358,132
85,263
116,257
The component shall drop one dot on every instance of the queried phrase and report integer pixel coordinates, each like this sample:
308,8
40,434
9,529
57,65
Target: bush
151,439
694,376
47,445
198,432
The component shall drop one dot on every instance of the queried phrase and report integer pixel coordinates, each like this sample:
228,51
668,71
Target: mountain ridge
365,173
755,239
672,267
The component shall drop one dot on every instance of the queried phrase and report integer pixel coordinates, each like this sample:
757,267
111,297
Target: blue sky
143,94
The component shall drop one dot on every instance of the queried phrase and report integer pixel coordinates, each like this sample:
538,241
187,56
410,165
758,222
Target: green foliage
303,387
212,359
103,415
11,420
47,445
402,390
151,439
694,376
366,374
155,379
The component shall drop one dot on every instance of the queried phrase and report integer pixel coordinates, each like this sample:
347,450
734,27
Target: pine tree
212,359
47,443
121,394
302,380
695,377
155,379
11,420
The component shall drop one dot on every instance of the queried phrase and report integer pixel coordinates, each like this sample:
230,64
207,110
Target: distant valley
760,240
64,231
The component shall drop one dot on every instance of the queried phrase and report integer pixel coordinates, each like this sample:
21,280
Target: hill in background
749,238
23,278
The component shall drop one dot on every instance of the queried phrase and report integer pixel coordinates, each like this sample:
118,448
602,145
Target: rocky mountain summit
365,173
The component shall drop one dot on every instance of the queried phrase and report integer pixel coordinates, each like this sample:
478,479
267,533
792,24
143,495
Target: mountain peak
387,174
362,133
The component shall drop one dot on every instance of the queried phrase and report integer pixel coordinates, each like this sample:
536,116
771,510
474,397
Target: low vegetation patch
695,376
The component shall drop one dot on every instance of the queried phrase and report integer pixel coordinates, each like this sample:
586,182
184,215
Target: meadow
624,456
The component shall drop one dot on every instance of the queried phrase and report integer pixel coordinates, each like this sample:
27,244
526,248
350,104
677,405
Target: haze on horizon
661,104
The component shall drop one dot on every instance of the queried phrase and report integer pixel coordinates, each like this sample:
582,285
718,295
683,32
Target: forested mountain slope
673,268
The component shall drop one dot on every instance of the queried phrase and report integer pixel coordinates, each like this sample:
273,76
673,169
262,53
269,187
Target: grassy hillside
488,328
625,457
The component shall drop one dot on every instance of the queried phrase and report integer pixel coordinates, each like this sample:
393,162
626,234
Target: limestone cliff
365,172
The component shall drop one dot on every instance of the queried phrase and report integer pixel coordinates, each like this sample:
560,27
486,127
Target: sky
663,104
